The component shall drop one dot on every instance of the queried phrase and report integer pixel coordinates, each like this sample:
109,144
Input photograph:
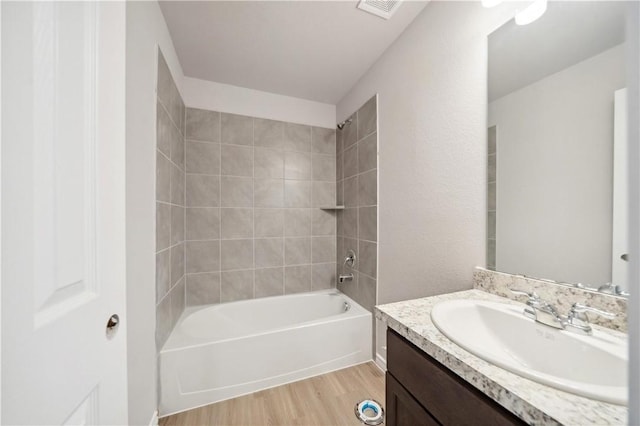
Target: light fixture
534,11
491,3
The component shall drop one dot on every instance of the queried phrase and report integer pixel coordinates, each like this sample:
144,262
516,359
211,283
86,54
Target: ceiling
314,50
568,33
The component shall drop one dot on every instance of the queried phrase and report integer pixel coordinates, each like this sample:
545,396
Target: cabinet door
448,398
402,409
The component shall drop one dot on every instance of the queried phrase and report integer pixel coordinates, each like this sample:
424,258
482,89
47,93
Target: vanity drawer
447,397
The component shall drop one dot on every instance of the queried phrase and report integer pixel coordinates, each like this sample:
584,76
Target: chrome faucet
577,319
349,261
541,311
545,313
342,278
610,288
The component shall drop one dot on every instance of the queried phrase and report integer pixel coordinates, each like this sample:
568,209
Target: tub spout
343,278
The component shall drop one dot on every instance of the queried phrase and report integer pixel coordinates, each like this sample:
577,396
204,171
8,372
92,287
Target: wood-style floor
328,399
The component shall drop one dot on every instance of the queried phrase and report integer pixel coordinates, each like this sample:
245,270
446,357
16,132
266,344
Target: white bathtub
217,352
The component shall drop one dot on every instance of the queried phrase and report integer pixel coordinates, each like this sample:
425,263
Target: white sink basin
593,366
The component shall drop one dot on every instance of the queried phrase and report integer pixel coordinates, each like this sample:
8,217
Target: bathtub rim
360,311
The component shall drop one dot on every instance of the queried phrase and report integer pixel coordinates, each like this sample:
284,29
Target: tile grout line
260,147
312,203
170,229
284,243
357,148
220,202
283,284
184,208
161,102
171,162
253,202
170,220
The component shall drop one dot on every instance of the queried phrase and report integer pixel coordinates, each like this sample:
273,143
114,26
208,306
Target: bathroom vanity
432,380
421,391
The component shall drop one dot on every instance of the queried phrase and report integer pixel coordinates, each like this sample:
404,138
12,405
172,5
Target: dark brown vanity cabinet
421,391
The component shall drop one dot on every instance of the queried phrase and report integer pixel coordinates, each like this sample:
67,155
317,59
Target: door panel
64,45
63,258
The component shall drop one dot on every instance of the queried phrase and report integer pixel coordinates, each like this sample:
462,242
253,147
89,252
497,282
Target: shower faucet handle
350,259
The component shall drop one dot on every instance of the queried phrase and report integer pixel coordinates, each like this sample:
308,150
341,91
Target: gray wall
170,198
357,183
253,226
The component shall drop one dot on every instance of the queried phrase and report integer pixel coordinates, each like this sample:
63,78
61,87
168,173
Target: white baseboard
154,419
381,362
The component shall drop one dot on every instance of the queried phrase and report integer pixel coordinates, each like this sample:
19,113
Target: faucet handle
614,289
533,302
350,259
578,310
533,296
577,319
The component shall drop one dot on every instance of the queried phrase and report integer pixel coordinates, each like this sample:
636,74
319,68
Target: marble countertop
533,402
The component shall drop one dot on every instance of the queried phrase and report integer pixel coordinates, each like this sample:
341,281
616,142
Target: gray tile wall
357,179
170,204
491,197
253,223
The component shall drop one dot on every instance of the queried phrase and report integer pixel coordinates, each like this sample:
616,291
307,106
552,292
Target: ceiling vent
382,8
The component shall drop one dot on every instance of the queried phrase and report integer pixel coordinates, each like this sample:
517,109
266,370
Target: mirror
557,206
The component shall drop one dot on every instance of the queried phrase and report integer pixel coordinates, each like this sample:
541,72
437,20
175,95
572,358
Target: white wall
146,29
432,97
555,172
633,71
432,91
1,257
239,100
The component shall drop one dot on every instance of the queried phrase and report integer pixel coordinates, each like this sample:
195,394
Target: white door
63,212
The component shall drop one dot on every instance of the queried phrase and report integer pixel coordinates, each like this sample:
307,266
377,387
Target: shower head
344,123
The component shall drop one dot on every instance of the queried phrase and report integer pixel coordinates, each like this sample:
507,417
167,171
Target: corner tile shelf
331,207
